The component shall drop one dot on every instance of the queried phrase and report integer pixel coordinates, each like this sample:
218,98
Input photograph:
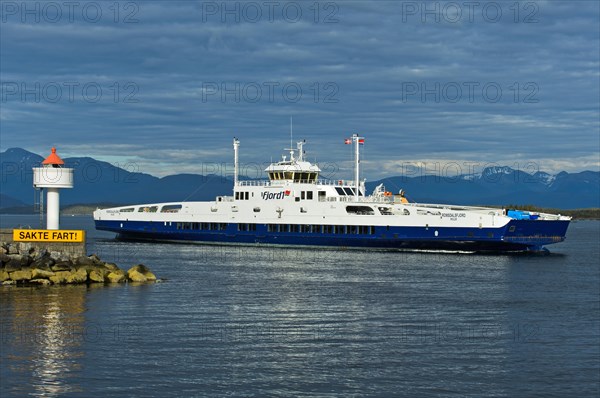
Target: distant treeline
581,214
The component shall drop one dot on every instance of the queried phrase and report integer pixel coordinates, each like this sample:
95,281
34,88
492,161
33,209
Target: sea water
263,321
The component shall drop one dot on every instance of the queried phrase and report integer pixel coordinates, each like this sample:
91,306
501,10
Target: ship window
351,229
321,195
148,209
328,229
317,229
247,195
223,226
170,209
127,210
348,191
303,195
340,229
297,199
237,196
309,195
360,210
340,191
386,211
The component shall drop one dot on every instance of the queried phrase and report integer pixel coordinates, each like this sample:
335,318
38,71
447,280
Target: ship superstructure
296,207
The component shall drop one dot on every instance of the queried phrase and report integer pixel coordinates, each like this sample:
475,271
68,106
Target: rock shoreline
23,264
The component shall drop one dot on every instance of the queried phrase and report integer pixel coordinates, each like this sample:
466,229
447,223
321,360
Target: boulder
44,282
140,273
21,275
8,283
12,249
62,266
136,276
60,277
99,275
4,276
37,273
19,260
43,262
111,266
4,258
83,261
3,250
13,265
78,276
117,276
58,256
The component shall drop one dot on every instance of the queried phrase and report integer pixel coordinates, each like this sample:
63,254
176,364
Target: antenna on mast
291,149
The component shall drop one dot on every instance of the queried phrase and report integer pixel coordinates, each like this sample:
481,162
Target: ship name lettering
454,215
272,195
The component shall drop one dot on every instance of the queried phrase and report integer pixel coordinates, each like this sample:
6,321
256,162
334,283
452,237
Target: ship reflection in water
42,330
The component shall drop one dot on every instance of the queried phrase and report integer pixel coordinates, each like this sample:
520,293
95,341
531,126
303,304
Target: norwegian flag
347,141
361,141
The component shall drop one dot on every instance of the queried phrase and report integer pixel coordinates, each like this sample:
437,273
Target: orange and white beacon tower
52,176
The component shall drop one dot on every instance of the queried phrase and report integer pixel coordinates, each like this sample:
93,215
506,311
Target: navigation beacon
52,176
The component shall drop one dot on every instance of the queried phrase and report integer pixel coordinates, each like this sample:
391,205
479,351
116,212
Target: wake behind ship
295,207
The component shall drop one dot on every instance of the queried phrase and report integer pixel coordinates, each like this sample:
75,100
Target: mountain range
101,182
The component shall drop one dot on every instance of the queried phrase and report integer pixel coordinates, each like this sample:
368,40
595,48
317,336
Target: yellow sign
46,235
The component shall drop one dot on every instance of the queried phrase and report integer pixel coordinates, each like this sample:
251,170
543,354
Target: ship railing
266,183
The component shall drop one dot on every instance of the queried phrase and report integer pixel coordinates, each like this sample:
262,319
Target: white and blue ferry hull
517,235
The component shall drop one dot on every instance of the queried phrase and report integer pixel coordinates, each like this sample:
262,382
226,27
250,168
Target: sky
163,87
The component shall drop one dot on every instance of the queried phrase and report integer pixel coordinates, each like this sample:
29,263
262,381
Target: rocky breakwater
24,264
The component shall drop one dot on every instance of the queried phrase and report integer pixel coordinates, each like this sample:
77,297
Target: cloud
183,79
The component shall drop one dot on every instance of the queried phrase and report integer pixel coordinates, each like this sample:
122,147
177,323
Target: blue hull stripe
517,235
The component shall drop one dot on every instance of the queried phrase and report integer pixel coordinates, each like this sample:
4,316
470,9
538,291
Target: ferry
294,206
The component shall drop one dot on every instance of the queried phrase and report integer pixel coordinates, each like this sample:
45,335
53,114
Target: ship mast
236,145
357,140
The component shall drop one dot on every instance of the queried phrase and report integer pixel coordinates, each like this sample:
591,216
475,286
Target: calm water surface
232,321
